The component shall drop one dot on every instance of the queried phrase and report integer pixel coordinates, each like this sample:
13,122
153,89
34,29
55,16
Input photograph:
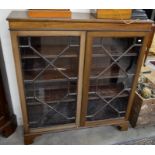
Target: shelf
50,81
76,56
50,52
53,95
50,102
112,72
70,99
115,55
49,96
109,91
32,103
51,75
99,52
49,56
54,76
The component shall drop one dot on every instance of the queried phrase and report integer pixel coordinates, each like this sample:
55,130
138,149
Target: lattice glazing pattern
111,75
50,71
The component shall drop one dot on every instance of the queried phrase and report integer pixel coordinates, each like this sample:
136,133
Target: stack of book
112,13
49,13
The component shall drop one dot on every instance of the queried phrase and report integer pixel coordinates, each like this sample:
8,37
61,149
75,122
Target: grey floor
90,136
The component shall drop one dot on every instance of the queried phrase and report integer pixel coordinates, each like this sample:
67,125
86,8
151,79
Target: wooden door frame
88,60
17,58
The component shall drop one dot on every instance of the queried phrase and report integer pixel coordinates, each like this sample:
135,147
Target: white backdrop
9,61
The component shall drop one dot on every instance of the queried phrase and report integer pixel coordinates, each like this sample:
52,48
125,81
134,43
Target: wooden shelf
72,55
31,103
110,73
51,102
109,91
29,56
49,75
50,95
99,52
50,81
50,52
106,92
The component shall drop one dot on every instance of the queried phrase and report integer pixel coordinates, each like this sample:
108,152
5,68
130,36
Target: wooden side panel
14,38
134,84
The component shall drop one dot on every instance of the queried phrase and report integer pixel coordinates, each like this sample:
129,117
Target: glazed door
110,68
50,64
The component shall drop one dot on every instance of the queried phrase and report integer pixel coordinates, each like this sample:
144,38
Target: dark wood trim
9,126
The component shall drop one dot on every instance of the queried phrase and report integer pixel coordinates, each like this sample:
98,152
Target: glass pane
50,71
112,71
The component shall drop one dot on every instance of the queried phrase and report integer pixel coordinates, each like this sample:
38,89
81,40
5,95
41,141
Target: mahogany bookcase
76,72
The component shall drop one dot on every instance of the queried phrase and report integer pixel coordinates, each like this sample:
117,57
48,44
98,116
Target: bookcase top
137,17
